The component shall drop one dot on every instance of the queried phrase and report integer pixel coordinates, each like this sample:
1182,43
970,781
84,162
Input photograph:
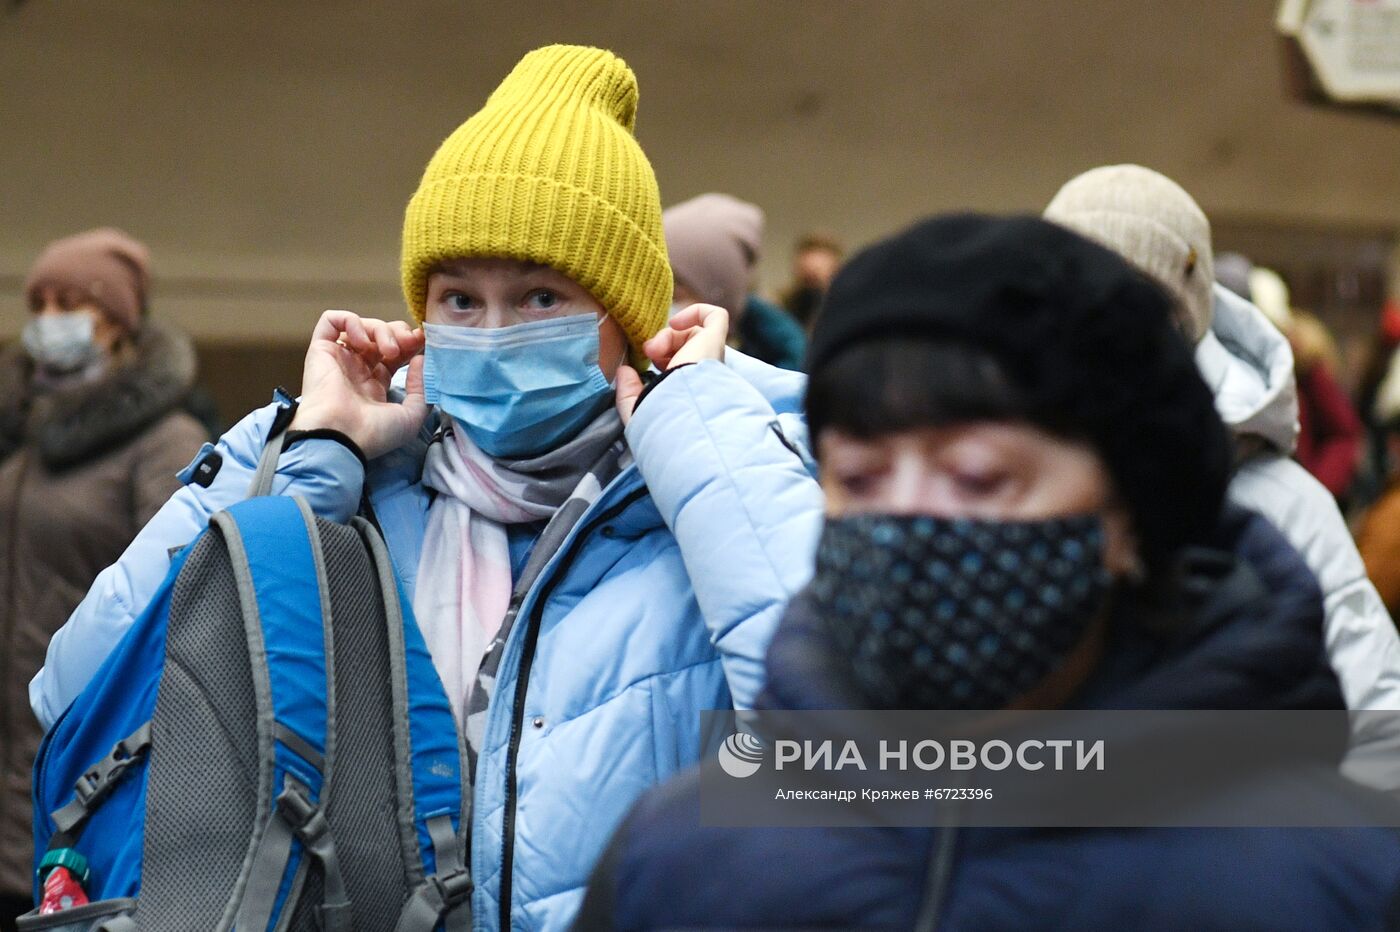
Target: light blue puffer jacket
660,604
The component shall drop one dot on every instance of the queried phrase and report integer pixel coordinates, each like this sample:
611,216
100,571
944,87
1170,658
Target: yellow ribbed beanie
548,171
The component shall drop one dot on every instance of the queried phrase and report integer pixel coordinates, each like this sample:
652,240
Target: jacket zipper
940,872
527,659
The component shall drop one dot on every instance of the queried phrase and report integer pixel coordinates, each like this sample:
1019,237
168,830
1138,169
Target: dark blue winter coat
1251,639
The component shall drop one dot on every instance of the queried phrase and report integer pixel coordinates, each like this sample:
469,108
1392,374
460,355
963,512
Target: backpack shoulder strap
278,564
428,756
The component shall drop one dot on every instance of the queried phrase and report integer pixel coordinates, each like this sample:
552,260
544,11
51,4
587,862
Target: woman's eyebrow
535,270
456,268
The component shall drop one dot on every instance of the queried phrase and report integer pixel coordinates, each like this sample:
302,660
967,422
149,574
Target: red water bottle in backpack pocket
64,871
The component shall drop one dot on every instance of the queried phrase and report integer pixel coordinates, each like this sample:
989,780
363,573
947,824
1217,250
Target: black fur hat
1087,341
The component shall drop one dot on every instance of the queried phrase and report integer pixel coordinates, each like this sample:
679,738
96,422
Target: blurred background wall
265,148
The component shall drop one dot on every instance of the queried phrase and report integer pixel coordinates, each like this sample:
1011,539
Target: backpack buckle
306,819
91,787
100,779
456,887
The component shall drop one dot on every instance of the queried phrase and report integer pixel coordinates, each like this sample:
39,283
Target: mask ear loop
622,359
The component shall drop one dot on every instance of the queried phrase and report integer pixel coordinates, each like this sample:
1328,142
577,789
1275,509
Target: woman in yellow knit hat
591,563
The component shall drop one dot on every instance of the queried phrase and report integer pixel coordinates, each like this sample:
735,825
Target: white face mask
61,342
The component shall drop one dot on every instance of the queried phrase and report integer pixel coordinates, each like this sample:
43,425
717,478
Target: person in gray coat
1155,224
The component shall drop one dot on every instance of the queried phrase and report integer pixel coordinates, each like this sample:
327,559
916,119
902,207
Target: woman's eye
979,484
457,301
542,299
856,483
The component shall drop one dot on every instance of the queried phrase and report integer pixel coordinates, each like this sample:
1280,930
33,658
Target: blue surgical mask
517,391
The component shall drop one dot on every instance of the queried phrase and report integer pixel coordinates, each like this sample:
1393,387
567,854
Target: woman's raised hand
345,381
699,332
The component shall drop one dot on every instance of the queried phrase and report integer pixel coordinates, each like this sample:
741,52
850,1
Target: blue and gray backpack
269,747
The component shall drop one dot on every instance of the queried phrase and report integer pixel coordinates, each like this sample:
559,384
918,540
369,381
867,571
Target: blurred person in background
815,260
1329,431
1384,341
1232,270
1246,362
1003,393
1386,338
92,434
1378,537
713,242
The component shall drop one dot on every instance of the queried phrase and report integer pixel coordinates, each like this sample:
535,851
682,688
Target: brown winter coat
80,473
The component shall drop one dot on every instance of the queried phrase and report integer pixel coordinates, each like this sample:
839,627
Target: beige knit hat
1153,223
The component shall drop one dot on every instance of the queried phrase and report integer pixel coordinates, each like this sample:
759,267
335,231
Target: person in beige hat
1159,227
91,437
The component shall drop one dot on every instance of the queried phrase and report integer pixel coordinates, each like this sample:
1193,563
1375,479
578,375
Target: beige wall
265,148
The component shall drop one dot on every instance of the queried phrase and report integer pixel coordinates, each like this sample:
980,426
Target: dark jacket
1243,646
80,472
767,332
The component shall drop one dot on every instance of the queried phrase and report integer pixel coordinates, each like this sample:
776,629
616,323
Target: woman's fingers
363,343
349,367
330,325
696,333
415,407
382,337
354,335
695,316
360,339
413,388
354,365
410,340
662,347
396,341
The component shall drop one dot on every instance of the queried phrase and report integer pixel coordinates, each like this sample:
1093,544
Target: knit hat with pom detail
549,171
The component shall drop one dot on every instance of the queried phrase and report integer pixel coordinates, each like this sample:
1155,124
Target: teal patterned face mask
517,391
939,613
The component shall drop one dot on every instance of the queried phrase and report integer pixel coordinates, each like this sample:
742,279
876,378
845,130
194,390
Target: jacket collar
1249,367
